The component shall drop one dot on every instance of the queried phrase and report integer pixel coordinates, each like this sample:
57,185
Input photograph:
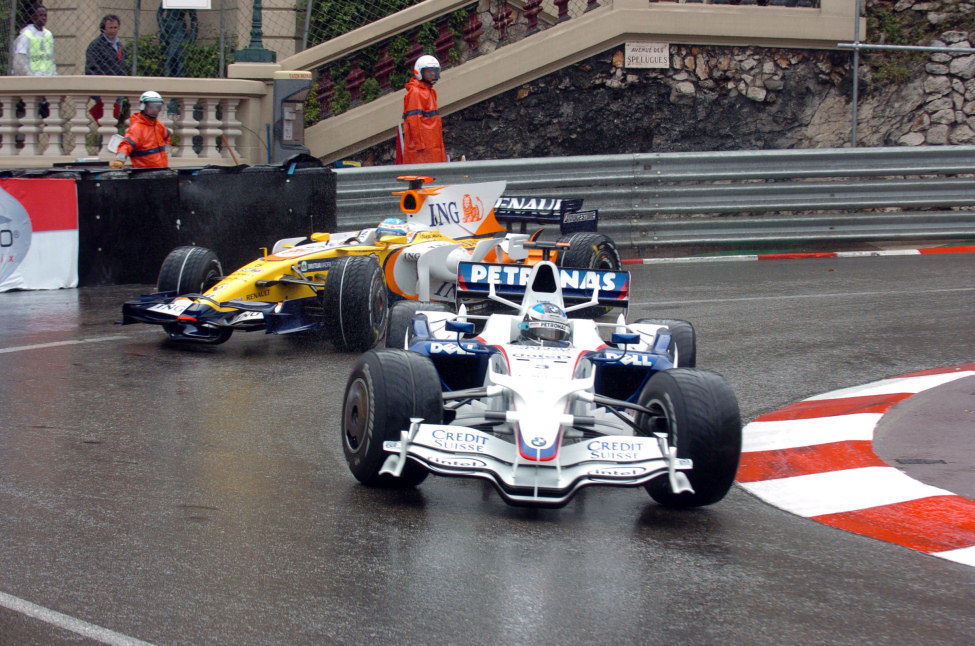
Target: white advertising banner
185,4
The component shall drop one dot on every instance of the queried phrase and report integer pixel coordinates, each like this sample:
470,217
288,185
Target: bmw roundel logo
538,442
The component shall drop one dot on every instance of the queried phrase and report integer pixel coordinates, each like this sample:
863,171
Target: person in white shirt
34,47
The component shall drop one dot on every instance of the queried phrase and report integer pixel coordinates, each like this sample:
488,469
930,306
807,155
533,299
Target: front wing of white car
614,460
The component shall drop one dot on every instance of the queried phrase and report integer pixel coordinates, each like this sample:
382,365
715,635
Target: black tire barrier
129,220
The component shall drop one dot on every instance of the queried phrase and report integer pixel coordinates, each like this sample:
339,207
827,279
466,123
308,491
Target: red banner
51,203
38,234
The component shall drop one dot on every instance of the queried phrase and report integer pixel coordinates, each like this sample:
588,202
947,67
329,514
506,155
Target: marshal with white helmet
426,62
537,403
149,96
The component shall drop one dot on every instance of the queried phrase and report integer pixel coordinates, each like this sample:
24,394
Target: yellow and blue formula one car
342,283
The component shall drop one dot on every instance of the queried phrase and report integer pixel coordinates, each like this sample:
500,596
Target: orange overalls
145,142
422,128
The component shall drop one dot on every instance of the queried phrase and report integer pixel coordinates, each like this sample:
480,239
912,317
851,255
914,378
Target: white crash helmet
149,96
545,322
425,62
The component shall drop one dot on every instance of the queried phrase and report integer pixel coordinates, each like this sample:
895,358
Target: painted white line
895,385
694,259
965,555
799,297
67,622
54,344
790,434
787,255
840,491
887,252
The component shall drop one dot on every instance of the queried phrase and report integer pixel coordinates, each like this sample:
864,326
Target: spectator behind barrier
34,47
175,34
104,54
104,57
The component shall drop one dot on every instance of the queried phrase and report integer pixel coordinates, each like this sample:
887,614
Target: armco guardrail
664,200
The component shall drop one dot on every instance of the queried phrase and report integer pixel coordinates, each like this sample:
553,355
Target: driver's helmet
391,227
545,322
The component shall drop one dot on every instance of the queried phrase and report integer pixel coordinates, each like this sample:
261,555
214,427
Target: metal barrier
658,201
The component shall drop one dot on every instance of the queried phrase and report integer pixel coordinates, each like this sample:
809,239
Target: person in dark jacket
104,54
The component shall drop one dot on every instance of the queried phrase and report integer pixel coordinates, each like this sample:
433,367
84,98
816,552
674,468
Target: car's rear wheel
189,270
387,388
401,318
355,304
699,413
683,339
590,251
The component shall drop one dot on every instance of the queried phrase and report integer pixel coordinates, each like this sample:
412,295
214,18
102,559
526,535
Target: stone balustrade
49,120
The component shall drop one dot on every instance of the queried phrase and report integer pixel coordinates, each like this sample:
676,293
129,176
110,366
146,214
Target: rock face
722,98
748,99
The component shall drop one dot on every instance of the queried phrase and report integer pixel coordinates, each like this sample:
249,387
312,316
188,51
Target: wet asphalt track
188,496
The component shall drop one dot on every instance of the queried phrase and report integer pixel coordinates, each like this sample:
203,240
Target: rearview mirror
625,338
463,327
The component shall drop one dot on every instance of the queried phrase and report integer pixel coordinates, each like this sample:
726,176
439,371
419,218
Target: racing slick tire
699,412
683,338
590,251
189,270
401,316
387,388
355,304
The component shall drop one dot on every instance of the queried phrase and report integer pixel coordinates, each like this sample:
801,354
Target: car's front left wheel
189,270
387,388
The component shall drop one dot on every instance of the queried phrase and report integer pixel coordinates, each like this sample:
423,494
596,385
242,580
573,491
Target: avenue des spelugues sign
647,55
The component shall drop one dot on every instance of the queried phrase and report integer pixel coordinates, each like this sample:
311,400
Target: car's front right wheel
698,412
355,303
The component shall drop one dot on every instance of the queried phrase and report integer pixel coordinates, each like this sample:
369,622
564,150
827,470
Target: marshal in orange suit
422,129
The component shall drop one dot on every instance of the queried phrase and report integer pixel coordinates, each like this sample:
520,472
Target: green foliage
201,59
367,58
369,90
884,25
4,37
331,18
313,111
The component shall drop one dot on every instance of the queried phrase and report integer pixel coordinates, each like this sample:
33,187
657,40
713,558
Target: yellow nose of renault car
343,283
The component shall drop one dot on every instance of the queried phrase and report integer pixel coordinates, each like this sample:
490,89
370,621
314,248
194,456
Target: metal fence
327,19
662,200
201,43
155,41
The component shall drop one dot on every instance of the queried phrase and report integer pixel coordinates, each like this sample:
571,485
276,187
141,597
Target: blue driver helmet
545,322
391,227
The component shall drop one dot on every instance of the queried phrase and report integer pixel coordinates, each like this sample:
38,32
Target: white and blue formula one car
537,403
